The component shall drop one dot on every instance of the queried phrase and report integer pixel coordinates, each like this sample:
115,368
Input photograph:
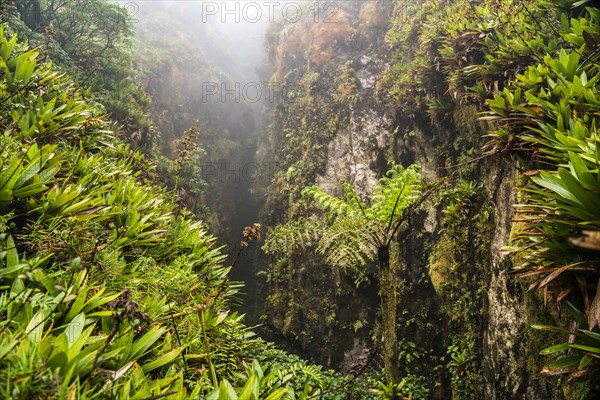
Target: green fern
350,243
396,191
310,374
302,233
352,232
352,235
328,203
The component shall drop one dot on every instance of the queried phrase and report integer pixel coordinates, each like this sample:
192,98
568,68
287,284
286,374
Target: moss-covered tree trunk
388,292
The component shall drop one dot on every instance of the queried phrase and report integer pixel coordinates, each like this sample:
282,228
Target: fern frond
312,372
293,235
350,242
277,378
333,206
353,200
396,191
308,374
350,234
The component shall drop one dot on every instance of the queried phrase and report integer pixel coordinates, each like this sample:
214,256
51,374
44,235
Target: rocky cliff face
464,320
325,127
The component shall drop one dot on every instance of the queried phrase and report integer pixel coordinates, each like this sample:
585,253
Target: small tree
354,233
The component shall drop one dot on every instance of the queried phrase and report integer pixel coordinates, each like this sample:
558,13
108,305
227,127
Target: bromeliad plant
95,268
353,234
257,385
579,355
550,116
535,65
463,51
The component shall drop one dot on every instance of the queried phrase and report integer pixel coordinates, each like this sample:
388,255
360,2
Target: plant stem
388,293
205,336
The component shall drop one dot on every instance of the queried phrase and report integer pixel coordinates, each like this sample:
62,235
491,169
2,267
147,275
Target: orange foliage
289,50
372,15
295,44
317,40
328,35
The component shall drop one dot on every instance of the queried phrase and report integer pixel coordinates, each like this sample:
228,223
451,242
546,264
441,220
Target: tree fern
333,206
351,232
353,199
350,242
351,235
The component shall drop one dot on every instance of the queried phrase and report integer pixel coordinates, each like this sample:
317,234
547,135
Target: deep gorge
175,127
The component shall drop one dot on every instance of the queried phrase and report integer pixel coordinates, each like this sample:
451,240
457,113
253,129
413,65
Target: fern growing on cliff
353,233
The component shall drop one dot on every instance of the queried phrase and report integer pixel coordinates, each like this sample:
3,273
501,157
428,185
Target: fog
202,47
230,33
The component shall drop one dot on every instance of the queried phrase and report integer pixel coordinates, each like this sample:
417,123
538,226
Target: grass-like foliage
548,117
105,291
108,289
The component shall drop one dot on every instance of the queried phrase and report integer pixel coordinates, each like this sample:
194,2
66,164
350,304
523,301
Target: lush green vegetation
95,264
532,66
90,41
530,69
110,288
352,234
550,114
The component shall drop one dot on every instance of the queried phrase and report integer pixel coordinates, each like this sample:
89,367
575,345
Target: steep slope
407,83
323,128
108,288
95,260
